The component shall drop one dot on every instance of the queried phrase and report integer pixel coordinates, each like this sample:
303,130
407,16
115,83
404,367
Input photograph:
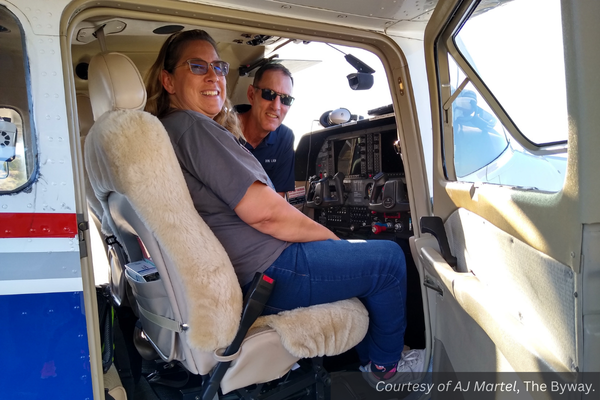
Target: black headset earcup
324,120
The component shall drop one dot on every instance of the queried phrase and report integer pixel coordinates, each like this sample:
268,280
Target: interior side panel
506,307
591,297
451,318
536,290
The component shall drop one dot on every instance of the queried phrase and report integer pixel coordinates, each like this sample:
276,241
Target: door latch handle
435,226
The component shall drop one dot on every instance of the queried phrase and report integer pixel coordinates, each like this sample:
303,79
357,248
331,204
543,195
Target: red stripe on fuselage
35,225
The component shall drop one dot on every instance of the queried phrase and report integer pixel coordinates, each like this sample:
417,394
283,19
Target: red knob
378,229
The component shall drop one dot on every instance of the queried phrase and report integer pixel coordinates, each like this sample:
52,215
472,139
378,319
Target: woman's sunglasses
200,67
270,95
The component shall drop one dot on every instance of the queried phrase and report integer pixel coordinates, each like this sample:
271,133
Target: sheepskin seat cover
130,153
325,329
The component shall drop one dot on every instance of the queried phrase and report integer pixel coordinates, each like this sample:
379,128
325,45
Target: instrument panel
358,187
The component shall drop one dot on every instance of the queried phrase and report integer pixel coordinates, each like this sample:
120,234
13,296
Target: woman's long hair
159,103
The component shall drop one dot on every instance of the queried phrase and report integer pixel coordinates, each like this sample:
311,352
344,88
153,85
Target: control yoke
387,195
320,194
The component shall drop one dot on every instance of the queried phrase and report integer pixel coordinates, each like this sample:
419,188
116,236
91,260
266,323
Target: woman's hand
266,211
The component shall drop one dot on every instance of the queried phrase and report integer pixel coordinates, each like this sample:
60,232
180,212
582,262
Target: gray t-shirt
218,171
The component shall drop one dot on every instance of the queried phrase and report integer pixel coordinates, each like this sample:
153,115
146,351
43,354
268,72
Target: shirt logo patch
270,160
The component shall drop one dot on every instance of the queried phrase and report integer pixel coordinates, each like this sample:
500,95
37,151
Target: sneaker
412,364
410,368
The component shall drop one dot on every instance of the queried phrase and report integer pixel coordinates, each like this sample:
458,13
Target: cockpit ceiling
377,9
141,32
386,9
406,18
377,15
142,39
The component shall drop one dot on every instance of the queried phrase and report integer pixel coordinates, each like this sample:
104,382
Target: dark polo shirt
276,154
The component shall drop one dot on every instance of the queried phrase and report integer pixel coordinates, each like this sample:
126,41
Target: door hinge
82,226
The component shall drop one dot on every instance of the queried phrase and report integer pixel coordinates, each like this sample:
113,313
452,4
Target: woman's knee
390,249
395,260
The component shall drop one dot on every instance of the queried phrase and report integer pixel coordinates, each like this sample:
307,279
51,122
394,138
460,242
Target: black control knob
388,202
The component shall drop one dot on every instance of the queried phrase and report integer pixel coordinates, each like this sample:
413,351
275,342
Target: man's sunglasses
200,67
270,95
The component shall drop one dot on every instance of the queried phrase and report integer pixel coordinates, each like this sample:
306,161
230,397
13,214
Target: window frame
29,135
445,45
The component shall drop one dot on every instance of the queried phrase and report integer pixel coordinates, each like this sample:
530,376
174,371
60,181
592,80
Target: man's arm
265,211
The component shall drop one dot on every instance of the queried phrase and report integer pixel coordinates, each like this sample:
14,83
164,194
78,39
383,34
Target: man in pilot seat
271,142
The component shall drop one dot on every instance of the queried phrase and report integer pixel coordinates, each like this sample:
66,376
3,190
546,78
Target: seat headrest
84,113
114,83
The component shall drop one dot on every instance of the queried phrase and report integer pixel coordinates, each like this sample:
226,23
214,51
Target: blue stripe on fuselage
44,345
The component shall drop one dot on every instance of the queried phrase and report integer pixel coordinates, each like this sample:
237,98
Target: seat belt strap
161,321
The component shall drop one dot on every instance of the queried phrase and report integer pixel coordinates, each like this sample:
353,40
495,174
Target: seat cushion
325,329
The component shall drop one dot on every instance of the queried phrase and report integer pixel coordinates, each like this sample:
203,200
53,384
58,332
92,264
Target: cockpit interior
349,169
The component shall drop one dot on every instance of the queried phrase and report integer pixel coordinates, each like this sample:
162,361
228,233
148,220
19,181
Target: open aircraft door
512,279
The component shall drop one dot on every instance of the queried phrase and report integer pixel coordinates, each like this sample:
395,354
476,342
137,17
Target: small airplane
463,130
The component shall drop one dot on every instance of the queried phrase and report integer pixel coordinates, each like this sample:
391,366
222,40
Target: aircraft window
516,48
484,151
16,138
324,85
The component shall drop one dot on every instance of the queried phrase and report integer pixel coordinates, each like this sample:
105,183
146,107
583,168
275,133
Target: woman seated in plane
261,231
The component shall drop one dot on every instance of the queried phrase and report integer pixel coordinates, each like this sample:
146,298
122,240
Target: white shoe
412,364
410,368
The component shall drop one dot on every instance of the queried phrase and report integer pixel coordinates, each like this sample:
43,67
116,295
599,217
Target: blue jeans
323,272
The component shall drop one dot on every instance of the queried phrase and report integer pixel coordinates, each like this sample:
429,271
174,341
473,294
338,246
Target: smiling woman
202,90
262,232
191,107
195,88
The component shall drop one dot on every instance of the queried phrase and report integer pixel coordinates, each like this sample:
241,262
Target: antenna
335,48
363,78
